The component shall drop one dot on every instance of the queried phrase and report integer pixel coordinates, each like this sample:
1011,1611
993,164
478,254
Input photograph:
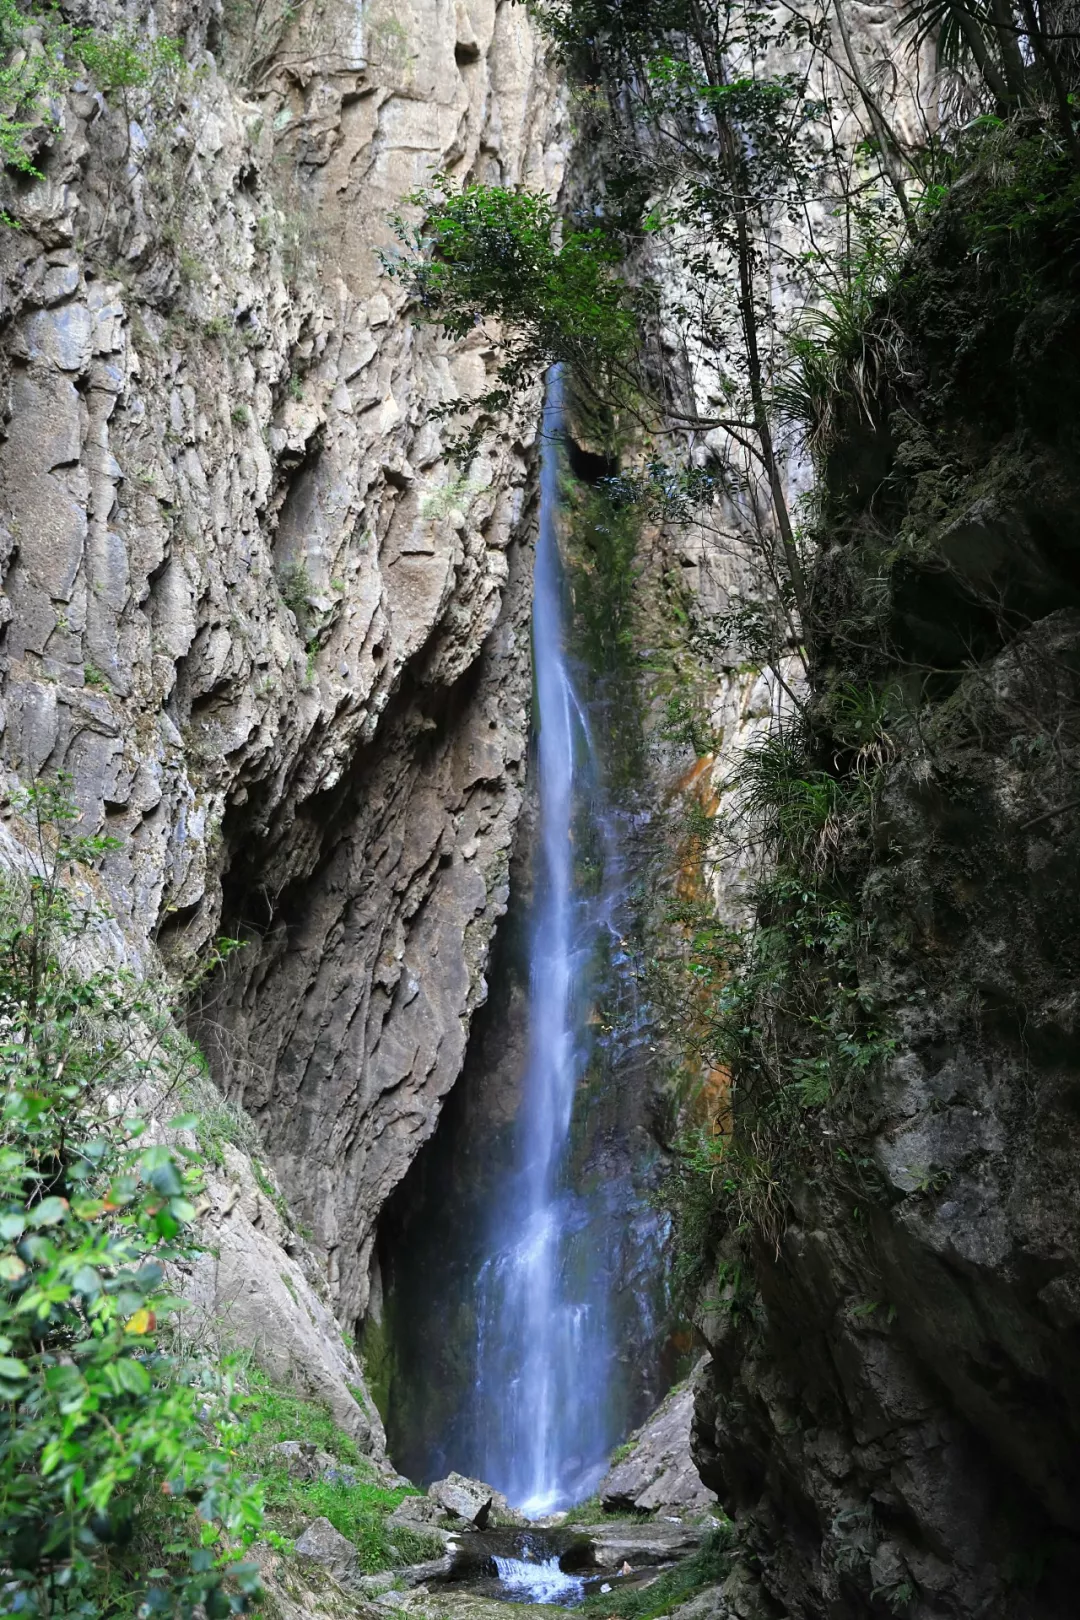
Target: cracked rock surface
277,638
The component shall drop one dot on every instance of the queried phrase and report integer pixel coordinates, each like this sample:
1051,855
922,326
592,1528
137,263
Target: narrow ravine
527,1317
542,1349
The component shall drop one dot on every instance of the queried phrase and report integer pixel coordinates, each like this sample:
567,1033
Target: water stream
528,1325
542,1326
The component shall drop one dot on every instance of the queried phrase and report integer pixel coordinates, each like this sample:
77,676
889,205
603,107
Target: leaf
64,1380
12,1368
184,1122
11,1268
166,1179
133,1377
143,1321
86,1281
12,1226
49,1212
182,1209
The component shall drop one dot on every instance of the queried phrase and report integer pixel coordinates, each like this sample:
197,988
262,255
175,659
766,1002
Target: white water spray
542,1353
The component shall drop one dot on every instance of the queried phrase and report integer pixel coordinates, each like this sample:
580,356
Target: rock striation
273,633
657,1474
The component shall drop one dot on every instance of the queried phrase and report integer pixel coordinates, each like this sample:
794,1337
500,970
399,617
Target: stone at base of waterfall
658,1474
323,1545
424,1517
417,1512
408,1576
651,1542
475,1502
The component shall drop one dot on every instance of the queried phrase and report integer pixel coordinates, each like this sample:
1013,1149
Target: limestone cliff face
276,638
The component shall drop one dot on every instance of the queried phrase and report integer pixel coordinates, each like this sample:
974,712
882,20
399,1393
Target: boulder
658,1474
417,1574
638,1544
428,1524
468,1499
325,1546
303,1459
416,1513
504,1515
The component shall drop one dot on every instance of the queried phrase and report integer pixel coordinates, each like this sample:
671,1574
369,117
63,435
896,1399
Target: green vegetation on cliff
107,1426
138,1464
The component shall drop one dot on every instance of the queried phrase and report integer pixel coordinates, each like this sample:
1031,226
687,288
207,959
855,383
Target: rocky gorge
271,634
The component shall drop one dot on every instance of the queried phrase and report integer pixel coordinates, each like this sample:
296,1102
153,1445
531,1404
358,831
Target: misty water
542,1348
527,1308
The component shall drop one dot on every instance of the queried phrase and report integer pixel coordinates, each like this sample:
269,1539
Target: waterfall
542,1350
525,1259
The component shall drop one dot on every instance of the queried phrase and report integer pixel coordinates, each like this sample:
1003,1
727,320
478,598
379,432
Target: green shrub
37,69
294,583
106,1429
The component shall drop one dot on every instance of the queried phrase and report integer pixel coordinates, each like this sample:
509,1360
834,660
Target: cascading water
541,1319
527,1321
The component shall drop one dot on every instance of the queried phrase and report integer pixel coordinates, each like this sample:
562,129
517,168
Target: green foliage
105,1426
126,59
788,1015
352,1497
844,347
294,583
456,494
31,76
485,252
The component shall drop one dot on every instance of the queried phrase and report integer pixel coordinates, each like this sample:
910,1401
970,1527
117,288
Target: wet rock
418,1574
468,1499
659,1473
421,1516
416,1513
325,1546
502,1514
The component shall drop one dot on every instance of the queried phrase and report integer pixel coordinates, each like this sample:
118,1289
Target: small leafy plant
106,1428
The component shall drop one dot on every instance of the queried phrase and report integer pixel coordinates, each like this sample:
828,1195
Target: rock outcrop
891,1411
271,631
657,1474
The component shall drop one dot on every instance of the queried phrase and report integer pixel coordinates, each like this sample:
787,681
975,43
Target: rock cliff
275,637
890,1406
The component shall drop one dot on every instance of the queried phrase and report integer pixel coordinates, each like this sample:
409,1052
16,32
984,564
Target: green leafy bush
107,1429
485,252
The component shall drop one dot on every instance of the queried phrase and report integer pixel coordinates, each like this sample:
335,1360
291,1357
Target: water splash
541,1582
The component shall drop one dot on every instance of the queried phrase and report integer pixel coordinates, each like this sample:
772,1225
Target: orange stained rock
712,1102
